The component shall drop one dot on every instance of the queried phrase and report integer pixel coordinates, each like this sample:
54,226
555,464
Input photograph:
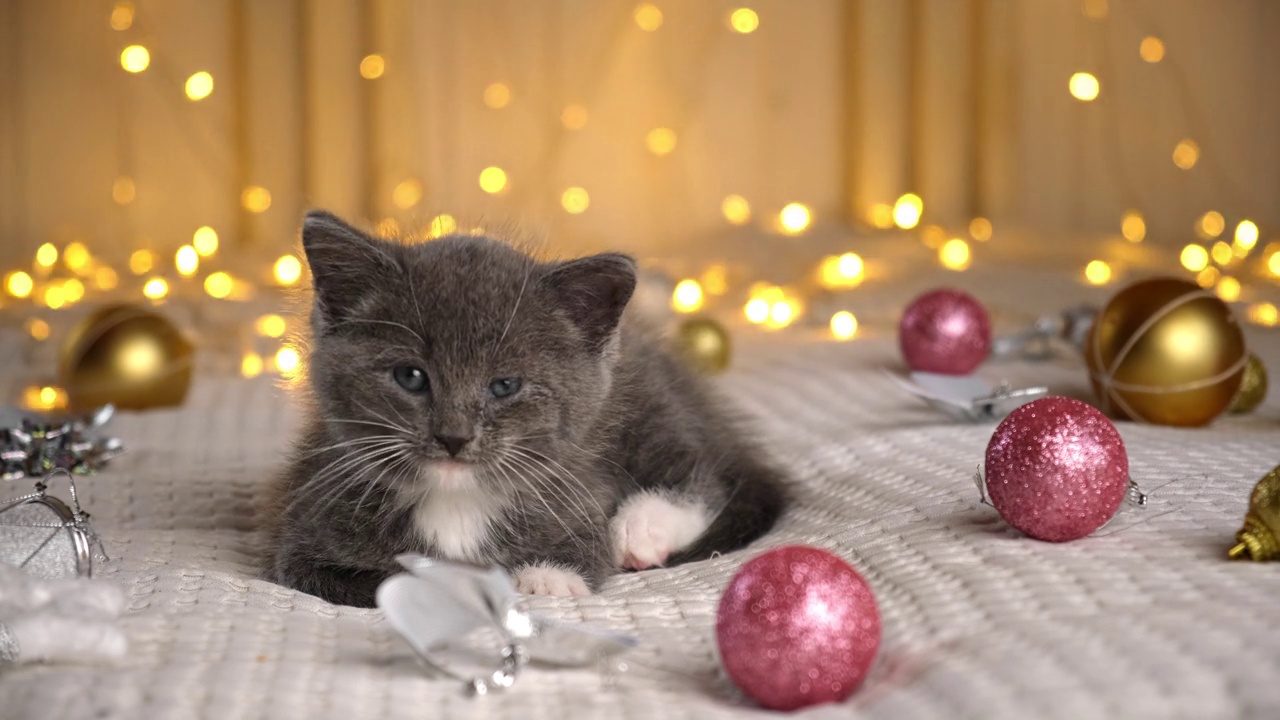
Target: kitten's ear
345,263
594,291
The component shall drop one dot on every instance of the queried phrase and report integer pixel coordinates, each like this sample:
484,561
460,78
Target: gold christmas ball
704,344
1165,351
1259,539
127,356
1253,387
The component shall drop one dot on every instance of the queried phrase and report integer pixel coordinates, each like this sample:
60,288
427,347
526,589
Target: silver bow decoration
1036,342
32,448
968,397
467,623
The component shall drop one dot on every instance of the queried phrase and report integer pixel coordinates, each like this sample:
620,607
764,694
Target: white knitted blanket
1148,620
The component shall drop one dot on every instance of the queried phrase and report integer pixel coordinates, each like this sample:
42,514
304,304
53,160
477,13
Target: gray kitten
475,404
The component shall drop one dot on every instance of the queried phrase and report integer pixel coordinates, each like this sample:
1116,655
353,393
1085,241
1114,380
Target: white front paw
649,527
545,579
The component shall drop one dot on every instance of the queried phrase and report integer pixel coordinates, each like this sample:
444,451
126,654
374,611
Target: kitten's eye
503,387
410,378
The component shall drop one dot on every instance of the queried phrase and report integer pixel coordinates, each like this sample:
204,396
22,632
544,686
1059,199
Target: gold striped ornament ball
1166,351
1253,387
127,356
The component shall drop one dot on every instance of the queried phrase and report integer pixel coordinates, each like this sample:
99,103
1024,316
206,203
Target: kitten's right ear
345,263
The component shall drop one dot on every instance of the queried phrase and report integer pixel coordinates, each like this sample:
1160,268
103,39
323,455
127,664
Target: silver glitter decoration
47,538
8,645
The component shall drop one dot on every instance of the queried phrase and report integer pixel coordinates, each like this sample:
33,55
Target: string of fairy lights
62,277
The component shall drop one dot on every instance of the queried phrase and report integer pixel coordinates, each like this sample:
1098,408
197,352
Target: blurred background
771,161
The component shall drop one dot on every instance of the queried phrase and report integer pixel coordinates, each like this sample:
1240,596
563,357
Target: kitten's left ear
594,291
344,263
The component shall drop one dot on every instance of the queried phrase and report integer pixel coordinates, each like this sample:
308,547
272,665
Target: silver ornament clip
1036,342
968,397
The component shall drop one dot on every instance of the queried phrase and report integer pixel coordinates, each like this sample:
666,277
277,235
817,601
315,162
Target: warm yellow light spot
38,329
907,211
841,271
372,67
648,17
46,255
408,193
497,95
1263,314
744,20
1095,9
1207,277
781,313
19,284
575,200
73,291
76,256
287,270
880,215
287,360
155,288
736,210
442,225
954,255
1228,288
251,365
493,179
715,280
1247,234
1221,253
44,398
573,117
141,261
105,278
205,241
123,191
844,325
687,297
660,141
122,15
1084,87
757,310
199,86
1273,263
54,297
1151,49
255,199
980,229
1133,227
135,58
387,228
270,325
794,218
218,285
1211,224
1097,272
140,357
1185,154
1194,258
186,260
933,236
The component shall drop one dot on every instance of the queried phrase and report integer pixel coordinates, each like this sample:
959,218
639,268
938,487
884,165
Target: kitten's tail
755,503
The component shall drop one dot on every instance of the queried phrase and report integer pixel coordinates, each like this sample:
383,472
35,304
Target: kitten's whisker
347,443
514,310
386,420
385,426
402,326
535,455
333,472
539,497
396,458
338,482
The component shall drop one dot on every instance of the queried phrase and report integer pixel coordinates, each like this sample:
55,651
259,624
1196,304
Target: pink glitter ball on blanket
1056,469
797,627
946,332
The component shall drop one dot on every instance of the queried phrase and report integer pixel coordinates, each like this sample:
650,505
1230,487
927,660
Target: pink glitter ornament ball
1056,469
796,627
945,331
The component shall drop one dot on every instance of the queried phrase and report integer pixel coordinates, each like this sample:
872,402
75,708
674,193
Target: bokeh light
1084,86
844,325
687,296
794,218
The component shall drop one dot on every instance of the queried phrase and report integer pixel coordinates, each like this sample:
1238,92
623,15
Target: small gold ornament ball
1253,387
128,356
1259,539
1165,351
704,344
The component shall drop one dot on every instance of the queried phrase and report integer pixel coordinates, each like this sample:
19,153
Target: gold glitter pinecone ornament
126,356
704,344
1259,539
1165,351
1253,387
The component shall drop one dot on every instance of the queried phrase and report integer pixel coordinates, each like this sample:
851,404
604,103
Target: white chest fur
457,521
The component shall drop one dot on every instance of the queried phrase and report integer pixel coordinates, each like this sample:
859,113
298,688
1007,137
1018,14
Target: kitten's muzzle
453,444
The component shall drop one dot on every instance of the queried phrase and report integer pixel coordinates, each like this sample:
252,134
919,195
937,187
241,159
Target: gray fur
604,411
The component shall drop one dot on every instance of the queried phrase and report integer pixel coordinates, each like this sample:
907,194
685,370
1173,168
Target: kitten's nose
452,443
